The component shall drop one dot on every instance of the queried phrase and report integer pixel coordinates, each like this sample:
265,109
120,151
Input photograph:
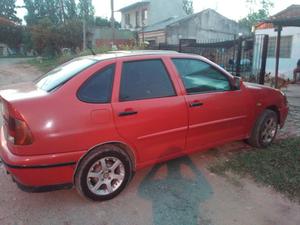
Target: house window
137,18
285,47
145,15
127,19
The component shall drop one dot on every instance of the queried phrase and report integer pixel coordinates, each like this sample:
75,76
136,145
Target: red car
95,120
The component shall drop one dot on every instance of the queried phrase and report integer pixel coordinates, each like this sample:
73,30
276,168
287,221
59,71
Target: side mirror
236,83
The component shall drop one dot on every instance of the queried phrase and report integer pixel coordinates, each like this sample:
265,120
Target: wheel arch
275,109
126,148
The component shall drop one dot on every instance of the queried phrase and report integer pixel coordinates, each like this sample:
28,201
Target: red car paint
64,128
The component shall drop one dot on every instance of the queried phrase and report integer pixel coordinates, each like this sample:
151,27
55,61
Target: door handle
196,104
128,113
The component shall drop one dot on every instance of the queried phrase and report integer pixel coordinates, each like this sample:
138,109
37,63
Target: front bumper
39,172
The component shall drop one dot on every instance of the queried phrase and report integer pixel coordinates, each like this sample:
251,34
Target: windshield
63,73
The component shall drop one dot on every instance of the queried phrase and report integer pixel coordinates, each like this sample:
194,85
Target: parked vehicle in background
95,120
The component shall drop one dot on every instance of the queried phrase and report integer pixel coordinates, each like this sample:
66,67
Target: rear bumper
42,172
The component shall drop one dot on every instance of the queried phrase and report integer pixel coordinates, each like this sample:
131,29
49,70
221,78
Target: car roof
120,54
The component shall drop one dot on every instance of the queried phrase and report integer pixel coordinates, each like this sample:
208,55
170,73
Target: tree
10,33
255,17
104,22
8,10
86,10
71,9
188,7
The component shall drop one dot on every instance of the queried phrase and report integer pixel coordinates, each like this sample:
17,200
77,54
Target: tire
103,173
265,130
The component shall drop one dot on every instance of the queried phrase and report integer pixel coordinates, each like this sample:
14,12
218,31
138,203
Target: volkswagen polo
93,121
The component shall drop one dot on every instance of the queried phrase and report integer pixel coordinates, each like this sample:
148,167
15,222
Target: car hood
21,91
257,86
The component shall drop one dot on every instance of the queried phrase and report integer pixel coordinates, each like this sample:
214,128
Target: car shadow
176,189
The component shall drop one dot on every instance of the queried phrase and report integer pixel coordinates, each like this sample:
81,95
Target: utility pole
84,34
112,21
84,25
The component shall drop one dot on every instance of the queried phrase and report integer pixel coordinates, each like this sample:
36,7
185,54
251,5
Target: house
207,25
4,50
289,44
144,13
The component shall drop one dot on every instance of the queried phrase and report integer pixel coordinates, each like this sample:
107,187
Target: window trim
91,77
214,67
66,81
140,60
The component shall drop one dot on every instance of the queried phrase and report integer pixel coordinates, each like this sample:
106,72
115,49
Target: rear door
217,112
148,111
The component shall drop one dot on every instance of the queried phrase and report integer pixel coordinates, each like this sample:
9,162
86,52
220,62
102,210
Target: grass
277,166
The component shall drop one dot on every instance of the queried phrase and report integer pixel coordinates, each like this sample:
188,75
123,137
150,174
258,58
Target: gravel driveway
179,192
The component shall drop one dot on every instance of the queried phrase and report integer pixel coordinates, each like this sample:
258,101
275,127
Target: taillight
18,132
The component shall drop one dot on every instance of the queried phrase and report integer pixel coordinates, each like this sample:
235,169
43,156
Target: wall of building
163,9
132,14
286,65
103,36
207,25
154,37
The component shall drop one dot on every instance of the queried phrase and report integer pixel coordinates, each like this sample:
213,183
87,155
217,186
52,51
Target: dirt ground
179,192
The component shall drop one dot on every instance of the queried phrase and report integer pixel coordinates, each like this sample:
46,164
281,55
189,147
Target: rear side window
144,80
60,75
98,88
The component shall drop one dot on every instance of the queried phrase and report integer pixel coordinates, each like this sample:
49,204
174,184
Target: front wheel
265,130
103,173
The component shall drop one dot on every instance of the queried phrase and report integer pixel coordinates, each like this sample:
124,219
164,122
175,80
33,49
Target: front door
148,112
217,113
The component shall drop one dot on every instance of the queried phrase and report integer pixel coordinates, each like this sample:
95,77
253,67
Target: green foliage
188,7
255,17
104,22
58,11
86,10
10,33
277,166
8,10
49,38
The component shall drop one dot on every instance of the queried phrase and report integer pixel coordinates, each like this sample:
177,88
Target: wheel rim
105,176
269,131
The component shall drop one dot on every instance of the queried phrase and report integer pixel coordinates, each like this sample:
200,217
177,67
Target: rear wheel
265,130
103,173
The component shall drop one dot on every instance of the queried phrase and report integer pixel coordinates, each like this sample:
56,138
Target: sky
233,9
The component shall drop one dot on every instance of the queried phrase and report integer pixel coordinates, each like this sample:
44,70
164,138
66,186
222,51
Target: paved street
178,192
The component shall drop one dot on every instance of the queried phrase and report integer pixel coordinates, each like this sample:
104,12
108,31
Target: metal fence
236,56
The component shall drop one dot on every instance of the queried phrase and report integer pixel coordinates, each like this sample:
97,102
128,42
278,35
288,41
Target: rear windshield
60,75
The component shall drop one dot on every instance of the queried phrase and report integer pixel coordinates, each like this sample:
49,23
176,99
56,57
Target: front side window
144,80
199,76
98,88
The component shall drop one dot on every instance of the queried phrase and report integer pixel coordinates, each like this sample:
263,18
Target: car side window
98,88
200,77
145,79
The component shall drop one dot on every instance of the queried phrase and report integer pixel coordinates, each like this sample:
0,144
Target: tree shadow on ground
176,189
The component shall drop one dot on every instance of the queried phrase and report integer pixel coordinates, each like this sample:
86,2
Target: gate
242,56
